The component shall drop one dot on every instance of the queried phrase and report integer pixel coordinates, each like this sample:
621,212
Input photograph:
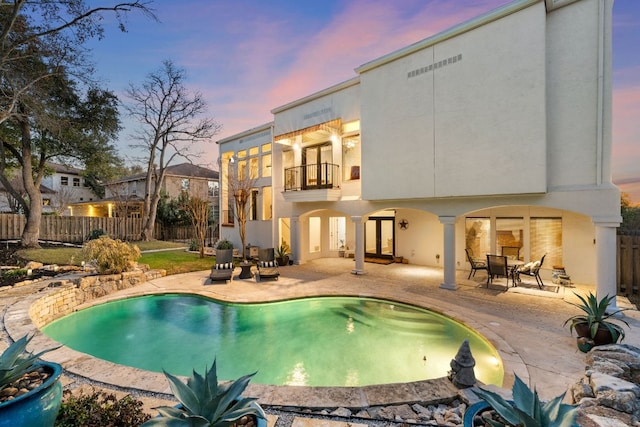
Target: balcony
311,183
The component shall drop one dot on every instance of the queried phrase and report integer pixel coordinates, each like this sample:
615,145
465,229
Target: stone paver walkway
524,324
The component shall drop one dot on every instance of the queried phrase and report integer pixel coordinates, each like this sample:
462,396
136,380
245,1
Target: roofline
493,15
324,92
245,133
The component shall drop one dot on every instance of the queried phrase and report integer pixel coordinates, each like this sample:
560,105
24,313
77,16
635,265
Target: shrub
224,244
94,234
111,256
100,409
194,245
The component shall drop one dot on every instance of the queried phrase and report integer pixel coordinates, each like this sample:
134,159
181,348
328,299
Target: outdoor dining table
513,265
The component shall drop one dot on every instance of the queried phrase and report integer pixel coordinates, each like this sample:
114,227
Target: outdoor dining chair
497,267
476,264
533,270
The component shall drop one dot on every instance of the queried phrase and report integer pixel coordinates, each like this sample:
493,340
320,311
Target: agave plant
206,403
595,316
527,410
16,361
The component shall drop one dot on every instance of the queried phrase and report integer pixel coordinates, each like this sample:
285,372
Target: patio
525,324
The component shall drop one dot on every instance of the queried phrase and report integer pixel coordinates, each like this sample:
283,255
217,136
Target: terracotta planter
39,407
603,336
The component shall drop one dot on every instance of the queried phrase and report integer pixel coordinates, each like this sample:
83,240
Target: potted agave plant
282,254
20,371
593,326
205,402
526,409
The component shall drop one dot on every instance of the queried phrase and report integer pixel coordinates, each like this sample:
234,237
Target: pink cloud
626,131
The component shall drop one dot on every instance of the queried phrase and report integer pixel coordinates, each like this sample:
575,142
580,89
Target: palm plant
527,410
206,403
596,316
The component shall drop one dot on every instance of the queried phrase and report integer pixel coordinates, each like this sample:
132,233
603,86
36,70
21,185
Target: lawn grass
173,261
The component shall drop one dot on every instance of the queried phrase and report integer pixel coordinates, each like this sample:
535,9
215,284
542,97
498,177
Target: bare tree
241,180
198,211
61,199
171,123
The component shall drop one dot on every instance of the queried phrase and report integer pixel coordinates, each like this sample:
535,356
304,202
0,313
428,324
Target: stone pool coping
18,323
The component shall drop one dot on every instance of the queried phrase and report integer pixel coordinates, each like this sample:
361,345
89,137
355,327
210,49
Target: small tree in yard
198,211
240,182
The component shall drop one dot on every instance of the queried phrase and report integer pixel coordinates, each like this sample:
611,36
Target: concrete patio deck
524,324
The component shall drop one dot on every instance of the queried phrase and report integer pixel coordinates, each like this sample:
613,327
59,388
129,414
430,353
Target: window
478,237
64,180
46,202
351,158
315,236
546,238
266,165
253,207
253,151
267,208
185,184
253,167
509,233
213,187
266,148
76,182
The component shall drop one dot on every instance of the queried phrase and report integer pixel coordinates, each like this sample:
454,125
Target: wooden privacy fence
76,229
71,229
628,264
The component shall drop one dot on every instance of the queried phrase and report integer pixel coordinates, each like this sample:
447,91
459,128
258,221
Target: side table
246,270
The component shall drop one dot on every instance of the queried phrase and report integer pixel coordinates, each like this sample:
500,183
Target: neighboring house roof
18,181
182,169
64,169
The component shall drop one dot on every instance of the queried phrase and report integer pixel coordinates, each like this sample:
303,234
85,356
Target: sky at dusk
247,57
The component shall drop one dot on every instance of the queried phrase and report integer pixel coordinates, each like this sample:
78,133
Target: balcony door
379,237
314,161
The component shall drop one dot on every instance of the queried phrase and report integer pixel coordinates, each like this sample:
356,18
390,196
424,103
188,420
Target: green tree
171,122
43,114
630,215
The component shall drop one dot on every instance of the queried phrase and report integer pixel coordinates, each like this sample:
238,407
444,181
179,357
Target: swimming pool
321,341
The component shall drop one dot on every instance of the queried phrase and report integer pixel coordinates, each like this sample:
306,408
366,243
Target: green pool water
326,341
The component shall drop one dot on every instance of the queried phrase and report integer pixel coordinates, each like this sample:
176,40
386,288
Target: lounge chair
223,268
267,265
476,264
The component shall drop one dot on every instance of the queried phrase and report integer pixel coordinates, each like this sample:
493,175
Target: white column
606,280
296,244
359,249
449,252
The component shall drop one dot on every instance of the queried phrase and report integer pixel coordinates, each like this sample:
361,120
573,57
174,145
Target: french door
379,237
313,159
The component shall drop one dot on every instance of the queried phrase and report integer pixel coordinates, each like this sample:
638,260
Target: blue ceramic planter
472,411
39,407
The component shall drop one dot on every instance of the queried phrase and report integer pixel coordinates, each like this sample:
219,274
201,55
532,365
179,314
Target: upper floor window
64,180
185,184
76,182
213,187
266,165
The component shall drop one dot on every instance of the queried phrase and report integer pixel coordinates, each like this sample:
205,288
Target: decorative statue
461,373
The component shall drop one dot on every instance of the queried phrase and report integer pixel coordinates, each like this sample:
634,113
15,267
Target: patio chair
267,265
497,267
223,268
531,269
476,264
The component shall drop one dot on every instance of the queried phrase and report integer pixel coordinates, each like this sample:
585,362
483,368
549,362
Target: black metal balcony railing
312,177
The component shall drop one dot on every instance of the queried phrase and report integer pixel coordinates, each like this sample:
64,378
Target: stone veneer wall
74,292
609,392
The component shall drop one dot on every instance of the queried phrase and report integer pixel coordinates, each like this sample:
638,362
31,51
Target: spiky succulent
16,361
527,410
596,316
206,403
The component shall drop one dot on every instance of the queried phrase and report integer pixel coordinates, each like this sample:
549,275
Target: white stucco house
494,133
